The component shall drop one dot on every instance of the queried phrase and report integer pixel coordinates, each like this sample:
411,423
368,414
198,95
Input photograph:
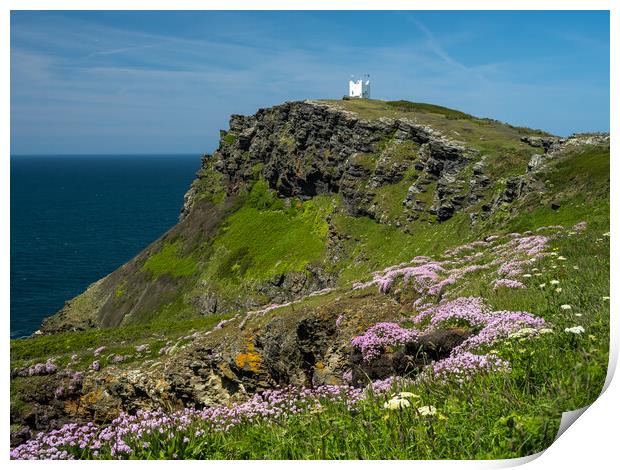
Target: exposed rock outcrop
303,149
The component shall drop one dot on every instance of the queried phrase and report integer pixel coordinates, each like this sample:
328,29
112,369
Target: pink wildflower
381,335
509,283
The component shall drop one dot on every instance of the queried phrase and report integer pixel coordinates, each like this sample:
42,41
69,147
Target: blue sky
166,82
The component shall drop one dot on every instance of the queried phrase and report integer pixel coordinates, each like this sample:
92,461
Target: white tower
360,88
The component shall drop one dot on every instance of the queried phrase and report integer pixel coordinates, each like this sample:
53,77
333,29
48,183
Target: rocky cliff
307,226
406,169
304,149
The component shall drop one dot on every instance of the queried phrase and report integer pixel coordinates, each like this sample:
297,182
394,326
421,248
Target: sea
76,218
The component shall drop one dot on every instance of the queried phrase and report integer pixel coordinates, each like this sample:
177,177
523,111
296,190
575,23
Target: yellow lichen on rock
249,360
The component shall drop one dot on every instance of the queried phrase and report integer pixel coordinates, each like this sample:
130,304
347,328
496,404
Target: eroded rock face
285,287
302,346
303,149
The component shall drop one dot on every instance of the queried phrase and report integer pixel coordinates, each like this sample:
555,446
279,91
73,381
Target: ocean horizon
77,217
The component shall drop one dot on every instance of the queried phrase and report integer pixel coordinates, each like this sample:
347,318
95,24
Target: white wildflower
566,307
577,330
542,286
554,282
396,404
558,289
561,258
428,410
527,275
523,332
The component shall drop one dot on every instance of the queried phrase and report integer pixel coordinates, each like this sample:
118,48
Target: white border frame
590,443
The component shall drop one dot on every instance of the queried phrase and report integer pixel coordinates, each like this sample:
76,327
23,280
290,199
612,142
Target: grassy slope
499,141
491,416
261,243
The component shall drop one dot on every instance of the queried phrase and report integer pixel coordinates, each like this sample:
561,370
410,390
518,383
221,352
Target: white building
360,88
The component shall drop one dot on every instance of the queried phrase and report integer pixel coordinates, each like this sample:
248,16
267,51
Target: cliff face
283,206
306,149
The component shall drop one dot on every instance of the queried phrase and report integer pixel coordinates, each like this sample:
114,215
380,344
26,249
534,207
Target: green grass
401,152
582,168
408,106
120,339
121,290
580,181
262,198
263,239
229,138
170,261
173,307
389,199
373,245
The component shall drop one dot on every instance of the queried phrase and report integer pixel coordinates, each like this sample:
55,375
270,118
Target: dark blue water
76,219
